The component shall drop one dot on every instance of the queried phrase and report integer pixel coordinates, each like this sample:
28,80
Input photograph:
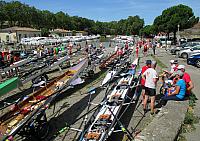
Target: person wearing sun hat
180,89
187,79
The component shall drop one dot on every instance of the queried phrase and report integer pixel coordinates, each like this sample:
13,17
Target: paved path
195,76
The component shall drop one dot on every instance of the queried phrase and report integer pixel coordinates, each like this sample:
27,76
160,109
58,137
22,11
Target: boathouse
15,34
62,32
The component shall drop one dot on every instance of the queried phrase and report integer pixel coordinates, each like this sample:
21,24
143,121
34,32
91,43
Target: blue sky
109,10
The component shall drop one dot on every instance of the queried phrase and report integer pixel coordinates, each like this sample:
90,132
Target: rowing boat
108,61
103,121
21,111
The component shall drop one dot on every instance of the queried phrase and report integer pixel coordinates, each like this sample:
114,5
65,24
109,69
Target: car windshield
196,48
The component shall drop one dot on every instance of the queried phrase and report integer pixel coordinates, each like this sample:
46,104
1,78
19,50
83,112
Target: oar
123,128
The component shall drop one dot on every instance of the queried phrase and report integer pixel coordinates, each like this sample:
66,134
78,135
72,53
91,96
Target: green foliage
148,30
159,63
190,118
192,99
172,17
73,32
45,32
18,14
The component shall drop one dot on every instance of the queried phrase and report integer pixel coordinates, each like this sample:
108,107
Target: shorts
150,91
143,89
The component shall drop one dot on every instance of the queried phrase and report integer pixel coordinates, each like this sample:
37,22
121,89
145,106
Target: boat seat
40,84
93,135
105,116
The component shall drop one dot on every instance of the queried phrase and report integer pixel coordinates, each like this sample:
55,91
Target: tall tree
181,15
148,30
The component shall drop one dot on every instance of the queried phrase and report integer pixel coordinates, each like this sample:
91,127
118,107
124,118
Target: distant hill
193,32
197,26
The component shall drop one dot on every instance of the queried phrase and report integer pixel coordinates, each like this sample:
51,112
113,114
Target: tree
181,15
16,13
148,30
3,16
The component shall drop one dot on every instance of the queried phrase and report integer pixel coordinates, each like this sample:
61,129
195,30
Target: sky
112,10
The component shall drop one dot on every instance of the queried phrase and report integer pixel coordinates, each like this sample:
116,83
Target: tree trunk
175,37
168,35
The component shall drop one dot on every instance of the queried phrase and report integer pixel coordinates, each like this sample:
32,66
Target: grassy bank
159,63
190,119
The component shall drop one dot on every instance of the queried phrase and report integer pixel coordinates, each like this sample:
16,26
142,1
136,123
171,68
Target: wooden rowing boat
108,61
10,120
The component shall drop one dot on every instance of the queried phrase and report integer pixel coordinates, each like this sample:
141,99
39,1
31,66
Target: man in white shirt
151,78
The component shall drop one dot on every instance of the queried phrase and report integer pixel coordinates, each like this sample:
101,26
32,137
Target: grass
159,63
190,119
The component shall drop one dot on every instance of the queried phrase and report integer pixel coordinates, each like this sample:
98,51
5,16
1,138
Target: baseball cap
181,67
171,61
175,61
148,62
179,72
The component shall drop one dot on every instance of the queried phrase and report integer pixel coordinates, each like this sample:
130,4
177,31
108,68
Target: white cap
171,61
180,73
181,67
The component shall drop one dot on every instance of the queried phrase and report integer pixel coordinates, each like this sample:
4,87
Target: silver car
188,52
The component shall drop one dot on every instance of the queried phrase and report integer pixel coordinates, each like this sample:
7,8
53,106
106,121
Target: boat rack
25,115
103,121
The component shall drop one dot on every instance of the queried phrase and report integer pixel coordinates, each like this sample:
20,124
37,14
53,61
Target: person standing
137,51
145,49
151,78
1,60
144,68
126,46
116,47
154,49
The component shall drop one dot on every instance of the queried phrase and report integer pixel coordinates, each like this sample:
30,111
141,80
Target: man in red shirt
126,46
144,68
187,79
119,52
176,65
145,49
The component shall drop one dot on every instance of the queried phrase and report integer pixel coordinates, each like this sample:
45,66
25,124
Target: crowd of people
178,84
146,45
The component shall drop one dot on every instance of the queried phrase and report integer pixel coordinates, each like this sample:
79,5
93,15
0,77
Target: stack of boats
25,110
108,61
104,119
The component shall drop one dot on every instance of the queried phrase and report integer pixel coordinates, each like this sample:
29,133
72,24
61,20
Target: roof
61,30
16,28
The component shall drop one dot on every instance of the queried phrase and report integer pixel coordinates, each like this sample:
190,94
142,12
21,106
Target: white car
188,52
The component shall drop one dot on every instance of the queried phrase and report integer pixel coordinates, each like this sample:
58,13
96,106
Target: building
81,33
15,34
62,32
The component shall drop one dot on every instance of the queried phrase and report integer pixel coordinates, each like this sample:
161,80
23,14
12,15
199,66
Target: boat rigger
21,113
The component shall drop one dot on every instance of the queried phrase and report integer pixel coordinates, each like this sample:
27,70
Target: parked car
176,49
189,52
194,60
